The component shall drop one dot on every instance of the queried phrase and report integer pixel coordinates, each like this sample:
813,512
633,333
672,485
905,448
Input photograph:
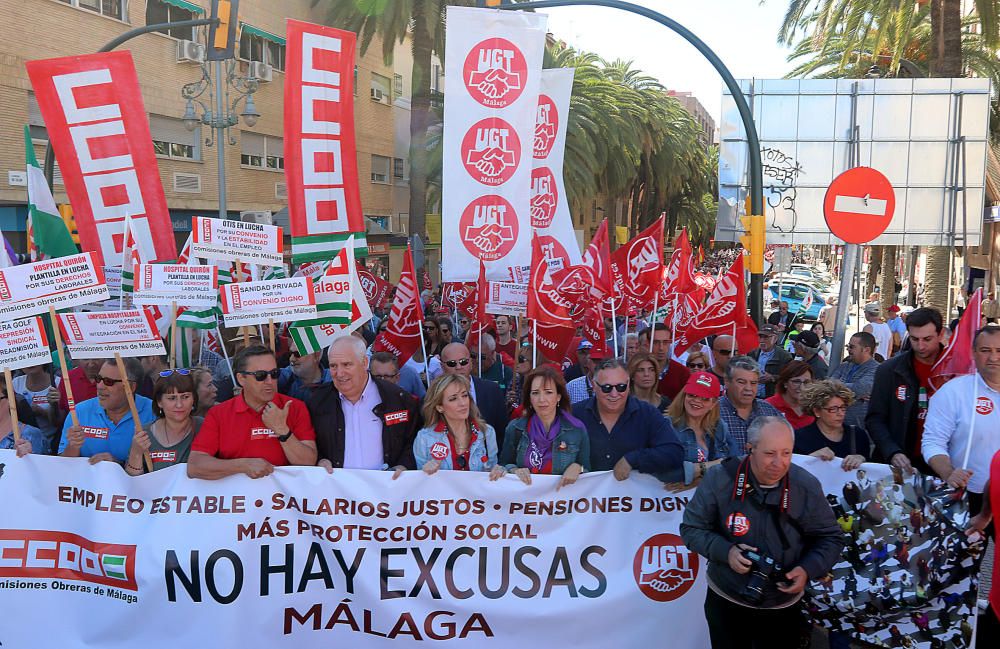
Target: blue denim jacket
720,445
572,444
482,452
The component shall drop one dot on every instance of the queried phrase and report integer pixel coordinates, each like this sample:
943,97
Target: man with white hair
362,422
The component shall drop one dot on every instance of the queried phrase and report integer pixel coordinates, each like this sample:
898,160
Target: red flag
376,289
453,294
680,273
428,285
545,305
957,358
590,281
402,335
474,307
725,306
701,255
553,340
746,335
592,327
637,267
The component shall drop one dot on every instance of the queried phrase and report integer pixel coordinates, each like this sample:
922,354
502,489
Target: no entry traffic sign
859,205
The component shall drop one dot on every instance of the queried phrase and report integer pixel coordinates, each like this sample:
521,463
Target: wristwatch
284,438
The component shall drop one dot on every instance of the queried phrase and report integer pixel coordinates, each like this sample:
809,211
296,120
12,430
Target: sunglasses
181,371
293,355
620,387
261,375
696,366
463,362
108,381
431,328
385,377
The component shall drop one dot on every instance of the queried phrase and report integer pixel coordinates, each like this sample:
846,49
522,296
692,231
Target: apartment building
165,62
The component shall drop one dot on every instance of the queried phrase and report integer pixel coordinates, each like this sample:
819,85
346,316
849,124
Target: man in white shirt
879,329
963,409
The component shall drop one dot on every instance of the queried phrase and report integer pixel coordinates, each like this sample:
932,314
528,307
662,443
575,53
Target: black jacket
399,412
492,406
892,411
779,359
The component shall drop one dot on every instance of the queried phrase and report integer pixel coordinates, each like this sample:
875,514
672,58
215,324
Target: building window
398,167
172,140
258,45
111,8
380,169
262,151
380,88
397,85
162,11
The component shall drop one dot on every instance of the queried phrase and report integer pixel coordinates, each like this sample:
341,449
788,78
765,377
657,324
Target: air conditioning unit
190,52
377,94
261,71
264,217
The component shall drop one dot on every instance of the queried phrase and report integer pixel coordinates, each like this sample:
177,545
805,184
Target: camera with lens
763,571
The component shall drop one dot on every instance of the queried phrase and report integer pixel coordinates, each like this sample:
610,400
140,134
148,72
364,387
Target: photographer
767,529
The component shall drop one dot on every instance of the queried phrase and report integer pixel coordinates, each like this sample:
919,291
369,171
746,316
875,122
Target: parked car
795,293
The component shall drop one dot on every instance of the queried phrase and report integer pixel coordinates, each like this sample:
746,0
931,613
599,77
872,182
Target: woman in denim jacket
455,436
695,416
547,439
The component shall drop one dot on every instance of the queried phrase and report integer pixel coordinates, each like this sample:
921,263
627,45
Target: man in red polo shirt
256,430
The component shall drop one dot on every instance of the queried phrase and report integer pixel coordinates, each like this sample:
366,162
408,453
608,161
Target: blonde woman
694,415
454,436
644,372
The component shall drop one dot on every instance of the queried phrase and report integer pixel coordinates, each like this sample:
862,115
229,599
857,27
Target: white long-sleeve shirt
949,418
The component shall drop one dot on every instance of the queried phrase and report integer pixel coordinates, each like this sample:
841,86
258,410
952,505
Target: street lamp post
226,91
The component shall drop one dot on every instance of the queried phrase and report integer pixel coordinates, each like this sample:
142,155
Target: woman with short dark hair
792,379
828,437
168,438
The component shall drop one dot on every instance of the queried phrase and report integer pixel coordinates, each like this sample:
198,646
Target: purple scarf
539,452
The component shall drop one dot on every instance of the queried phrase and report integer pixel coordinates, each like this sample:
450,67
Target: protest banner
493,70
63,282
113,278
550,216
507,298
228,240
97,126
321,168
103,334
183,284
304,559
23,343
281,300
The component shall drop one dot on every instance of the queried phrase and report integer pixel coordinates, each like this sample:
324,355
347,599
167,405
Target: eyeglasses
696,366
835,409
181,371
385,377
108,381
799,382
462,361
262,375
620,387
430,328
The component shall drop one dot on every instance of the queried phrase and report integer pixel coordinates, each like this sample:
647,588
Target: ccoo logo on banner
489,123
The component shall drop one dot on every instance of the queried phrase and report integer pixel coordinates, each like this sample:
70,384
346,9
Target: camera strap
742,484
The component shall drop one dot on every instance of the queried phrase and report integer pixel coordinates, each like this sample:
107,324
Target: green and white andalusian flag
325,246
47,232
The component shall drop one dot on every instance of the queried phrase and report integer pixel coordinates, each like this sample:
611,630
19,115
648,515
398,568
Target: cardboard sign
113,278
280,300
63,282
23,343
236,241
104,334
507,298
186,285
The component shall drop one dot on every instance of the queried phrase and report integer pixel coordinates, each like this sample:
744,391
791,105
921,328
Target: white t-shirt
38,399
883,338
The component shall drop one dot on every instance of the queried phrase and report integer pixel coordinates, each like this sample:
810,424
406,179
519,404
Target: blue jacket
482,452
103,435
720,445
572,444
642,435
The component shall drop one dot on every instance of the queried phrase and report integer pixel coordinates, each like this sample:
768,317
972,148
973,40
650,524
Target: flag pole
673,324
423,354
479,344
137,425
270,334
12,404
121,289
652,319
225,353
972,424
201,346
61,353
736,346
173,335
534,343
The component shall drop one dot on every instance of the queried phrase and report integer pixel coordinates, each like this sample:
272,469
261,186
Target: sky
743,33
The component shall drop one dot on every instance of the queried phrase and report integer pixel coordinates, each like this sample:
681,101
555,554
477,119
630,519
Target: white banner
23,343
101,334
507,298
492,72
255,243
550,215
113,278
280,300
187,285
63,282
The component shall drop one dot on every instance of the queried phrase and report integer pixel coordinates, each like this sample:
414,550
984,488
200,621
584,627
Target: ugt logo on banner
494,72
489,227
491,151
544,197
546,127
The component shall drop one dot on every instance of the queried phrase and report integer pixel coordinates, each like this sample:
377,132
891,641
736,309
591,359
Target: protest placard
62,282
236,241
277,300
113,278
180,283
507,298
23,343
104,334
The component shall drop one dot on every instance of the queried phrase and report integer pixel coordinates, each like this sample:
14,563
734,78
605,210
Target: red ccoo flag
637,267
725,306
957,358
402,335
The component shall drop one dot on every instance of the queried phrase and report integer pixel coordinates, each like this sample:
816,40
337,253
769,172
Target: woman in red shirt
795,376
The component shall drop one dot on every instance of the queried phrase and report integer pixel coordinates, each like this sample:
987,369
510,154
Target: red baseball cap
704,385
894,308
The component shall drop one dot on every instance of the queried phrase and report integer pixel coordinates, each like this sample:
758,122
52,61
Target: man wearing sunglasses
488,397
770,359
106,426
303,375
362,422
625,432
256,430
723,348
